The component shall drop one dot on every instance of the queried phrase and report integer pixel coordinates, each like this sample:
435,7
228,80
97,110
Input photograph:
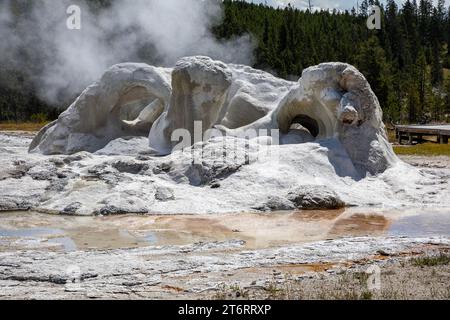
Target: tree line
407,61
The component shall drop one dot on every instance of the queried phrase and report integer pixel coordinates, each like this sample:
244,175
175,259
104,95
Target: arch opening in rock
305,123
330,101
138,109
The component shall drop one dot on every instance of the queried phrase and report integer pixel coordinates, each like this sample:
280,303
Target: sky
323,4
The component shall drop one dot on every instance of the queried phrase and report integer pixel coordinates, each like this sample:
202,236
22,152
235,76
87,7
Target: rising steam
65,61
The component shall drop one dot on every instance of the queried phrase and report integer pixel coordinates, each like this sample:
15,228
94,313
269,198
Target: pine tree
371,60
446,101
405,62
437,75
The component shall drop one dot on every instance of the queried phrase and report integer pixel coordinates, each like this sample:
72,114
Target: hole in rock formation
328,124
312,115
124,102
305,123
332,105
137,109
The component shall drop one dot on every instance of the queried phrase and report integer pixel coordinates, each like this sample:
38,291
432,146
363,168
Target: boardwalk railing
417,132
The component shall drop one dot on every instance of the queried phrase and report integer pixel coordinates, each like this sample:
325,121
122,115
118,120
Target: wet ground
31,230
194,256
197,257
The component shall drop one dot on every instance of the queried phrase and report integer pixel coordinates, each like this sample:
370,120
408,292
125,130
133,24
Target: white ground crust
145,272
86,184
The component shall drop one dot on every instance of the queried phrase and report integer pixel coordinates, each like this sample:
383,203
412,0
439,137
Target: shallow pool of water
31,230
423,225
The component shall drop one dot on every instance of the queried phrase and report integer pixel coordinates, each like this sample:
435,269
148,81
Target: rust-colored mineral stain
360,225
173,288
304,268
201,226
286,270
317,215
257,231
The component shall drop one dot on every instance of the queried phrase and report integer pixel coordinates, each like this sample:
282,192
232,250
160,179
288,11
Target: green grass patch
424,149
431,261
427,148
22,126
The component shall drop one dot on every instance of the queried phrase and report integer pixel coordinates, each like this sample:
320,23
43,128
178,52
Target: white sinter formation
113,151
124,102
332,100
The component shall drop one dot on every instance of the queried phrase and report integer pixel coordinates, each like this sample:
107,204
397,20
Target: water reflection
360,225
257,230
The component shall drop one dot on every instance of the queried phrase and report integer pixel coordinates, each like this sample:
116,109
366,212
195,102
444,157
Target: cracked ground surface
290,255
188,272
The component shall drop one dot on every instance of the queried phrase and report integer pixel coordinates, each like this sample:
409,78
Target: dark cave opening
303,122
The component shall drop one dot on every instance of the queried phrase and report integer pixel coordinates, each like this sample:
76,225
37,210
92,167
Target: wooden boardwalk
417,132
